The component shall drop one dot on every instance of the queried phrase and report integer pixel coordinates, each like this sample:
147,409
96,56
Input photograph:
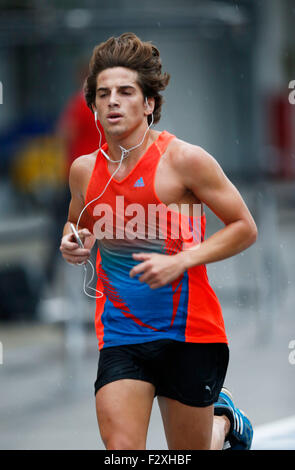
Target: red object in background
281,130
77,126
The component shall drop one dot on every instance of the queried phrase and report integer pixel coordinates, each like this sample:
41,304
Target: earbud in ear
95,115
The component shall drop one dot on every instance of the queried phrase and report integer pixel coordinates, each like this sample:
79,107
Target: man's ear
149,104
94,111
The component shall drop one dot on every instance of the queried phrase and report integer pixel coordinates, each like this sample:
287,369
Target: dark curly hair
129,51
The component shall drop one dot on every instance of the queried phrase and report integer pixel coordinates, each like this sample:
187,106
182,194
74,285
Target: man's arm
69,247
202,175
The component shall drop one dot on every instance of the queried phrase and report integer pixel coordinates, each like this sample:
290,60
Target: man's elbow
248,233
252,233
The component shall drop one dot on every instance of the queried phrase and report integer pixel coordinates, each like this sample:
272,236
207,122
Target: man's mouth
114,117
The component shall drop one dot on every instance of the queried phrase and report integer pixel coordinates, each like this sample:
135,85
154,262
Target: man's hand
157,270
70,249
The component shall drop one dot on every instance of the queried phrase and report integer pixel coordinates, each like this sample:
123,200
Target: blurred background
232,64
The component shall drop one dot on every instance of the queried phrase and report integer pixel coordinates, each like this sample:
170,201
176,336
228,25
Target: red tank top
127,217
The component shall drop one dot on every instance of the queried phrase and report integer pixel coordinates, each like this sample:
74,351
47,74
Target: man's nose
114,101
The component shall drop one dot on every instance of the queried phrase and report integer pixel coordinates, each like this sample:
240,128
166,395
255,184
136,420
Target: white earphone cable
124,154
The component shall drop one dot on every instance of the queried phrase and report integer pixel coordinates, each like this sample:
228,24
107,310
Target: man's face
119,101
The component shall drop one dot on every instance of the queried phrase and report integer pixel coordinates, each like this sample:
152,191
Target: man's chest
164,182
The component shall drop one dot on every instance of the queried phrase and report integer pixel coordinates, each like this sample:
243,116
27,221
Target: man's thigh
191,378
186,427
125,390
123,410
193,373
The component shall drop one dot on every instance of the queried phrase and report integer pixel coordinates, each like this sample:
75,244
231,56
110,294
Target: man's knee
123,442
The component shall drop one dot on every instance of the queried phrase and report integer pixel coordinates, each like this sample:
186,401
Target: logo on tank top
139,183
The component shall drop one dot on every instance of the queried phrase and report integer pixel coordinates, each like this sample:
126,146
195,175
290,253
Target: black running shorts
192,373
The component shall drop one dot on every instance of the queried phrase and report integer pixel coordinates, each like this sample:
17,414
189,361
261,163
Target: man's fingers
76,259
146,277
139,268
145,257
141,256
84,233
74,246
73,249
70,245
154,285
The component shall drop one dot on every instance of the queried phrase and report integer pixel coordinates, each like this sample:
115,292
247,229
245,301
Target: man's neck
138,141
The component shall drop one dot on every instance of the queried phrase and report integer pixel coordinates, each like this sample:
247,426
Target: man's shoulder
182,153
81,168
84,162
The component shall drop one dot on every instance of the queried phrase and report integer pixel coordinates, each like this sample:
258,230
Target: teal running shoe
240,435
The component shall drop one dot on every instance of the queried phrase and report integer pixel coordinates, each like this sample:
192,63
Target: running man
159,323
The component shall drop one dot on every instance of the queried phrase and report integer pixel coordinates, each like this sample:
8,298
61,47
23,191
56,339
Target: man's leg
193,373
221,428
238,430
186,427
192,428
123,410
195,428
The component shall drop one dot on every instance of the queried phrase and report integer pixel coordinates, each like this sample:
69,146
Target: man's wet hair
129,51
